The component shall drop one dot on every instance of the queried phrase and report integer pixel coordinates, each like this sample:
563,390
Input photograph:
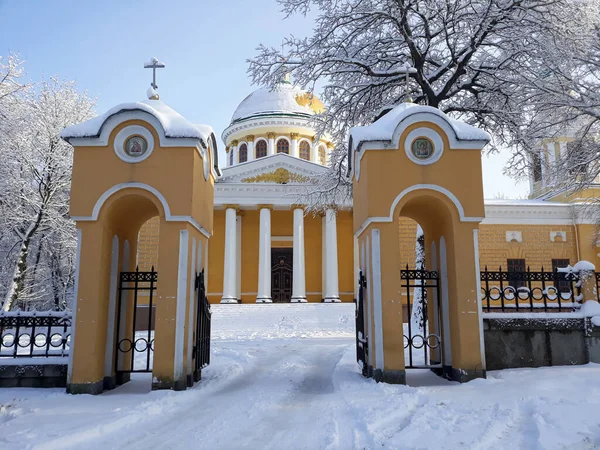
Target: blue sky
102,45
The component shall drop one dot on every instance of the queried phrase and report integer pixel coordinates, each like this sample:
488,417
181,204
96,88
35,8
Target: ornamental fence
529,291
40,335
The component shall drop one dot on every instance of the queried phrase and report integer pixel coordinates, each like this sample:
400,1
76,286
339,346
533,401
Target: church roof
283,99
173,123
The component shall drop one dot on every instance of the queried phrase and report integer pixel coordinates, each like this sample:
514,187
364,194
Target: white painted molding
182,279
431,135
361,147
112,308
74,307
377,300
136,185
514,236
123,116
190,311
479,297
400,196
125,267
447,338
369,300
124,134
561,234
245,126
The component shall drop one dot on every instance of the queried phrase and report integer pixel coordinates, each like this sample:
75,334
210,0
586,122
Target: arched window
305,150
243,153
261,149
283,146
231,156
322,155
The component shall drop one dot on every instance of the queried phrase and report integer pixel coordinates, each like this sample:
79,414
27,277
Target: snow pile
590,308
281,99
173,123
383,128
580,266
282,321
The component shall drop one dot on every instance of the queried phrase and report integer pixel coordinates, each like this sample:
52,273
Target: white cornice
249,195
538,213
248,125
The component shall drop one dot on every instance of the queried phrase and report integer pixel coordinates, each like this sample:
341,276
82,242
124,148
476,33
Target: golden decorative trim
294,135
250,138
236,207
280,176
297,206
227,149
265,206
329,144
234,142
271,135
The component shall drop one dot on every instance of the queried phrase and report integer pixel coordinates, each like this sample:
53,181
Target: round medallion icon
136,146
422,148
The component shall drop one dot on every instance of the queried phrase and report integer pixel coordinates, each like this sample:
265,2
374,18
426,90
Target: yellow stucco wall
147,255
536,248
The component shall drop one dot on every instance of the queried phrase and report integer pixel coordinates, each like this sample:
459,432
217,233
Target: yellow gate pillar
417,162
137,161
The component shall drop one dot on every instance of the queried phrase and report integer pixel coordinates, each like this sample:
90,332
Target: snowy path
271,386
283,391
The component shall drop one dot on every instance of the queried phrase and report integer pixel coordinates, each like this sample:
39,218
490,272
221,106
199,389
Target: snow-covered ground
285,377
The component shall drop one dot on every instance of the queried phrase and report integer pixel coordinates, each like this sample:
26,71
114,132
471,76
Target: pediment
280,169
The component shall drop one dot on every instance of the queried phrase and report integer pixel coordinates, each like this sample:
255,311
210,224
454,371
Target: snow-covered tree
419,305
11,72
474,59
564,102
36,233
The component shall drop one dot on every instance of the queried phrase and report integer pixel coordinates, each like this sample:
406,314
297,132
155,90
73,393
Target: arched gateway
138,161
416,162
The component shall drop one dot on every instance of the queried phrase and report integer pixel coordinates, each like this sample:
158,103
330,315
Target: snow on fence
542,291
41,335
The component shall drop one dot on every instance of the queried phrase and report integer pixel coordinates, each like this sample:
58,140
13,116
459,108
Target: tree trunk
18,282
419,307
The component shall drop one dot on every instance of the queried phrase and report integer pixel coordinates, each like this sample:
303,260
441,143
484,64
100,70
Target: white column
250,144
271,148
230,267
314,151
294,149
323,258
238,246
112,307
234,149
264,257
299,278
332,293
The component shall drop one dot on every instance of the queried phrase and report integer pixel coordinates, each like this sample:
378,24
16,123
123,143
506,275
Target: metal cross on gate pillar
154,64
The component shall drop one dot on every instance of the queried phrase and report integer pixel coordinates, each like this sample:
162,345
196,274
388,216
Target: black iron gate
135,348
281,275
362,345
422,327
201,350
